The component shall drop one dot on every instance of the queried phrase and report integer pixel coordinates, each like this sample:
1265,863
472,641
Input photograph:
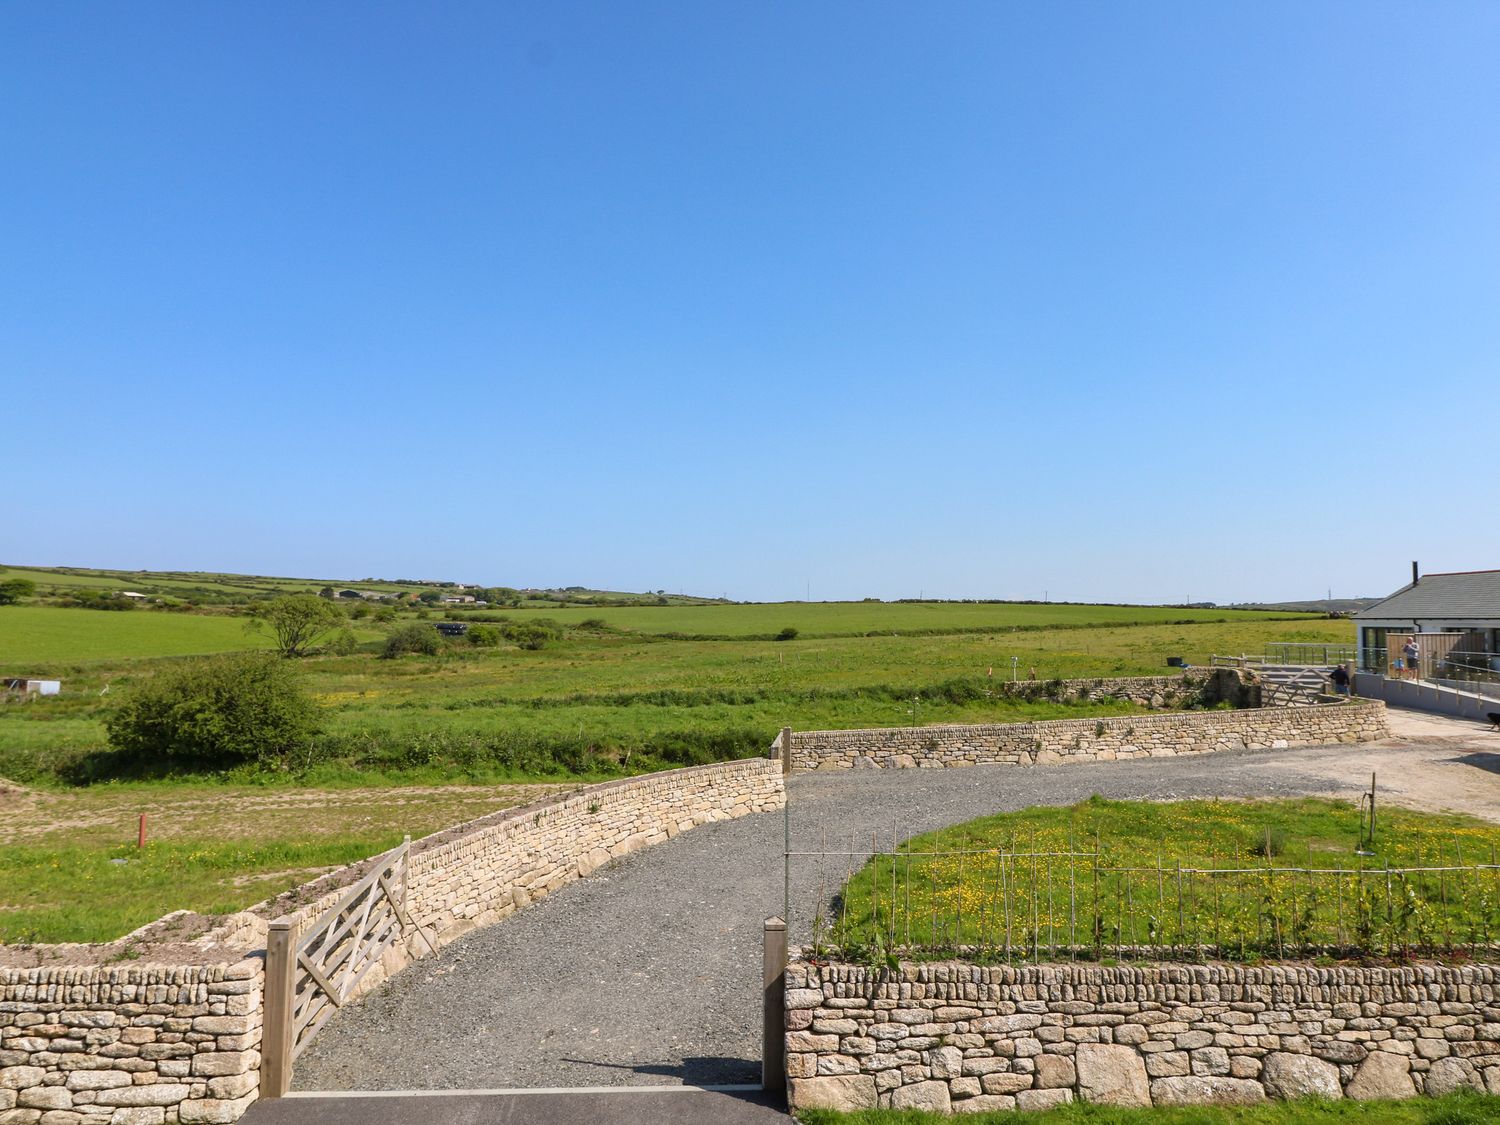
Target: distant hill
1343,606
208,588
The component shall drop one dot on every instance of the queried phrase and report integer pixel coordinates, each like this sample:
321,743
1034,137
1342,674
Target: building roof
1464,596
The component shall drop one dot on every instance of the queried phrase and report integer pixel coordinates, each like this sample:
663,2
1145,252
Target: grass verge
1454,1109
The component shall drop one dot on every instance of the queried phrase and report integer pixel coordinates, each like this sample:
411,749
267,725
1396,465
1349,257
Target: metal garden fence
1015,905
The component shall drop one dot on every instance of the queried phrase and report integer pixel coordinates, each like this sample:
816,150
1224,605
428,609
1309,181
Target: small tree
13,590
297,623
219,710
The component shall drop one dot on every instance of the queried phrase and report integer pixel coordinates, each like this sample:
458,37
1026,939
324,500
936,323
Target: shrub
787,634
13,590
412,638
219,711
98,599
344,642
485,636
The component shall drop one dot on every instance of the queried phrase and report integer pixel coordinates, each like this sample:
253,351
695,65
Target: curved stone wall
175,1036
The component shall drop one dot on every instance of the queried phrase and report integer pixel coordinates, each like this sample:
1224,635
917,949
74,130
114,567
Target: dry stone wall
1192,686
966,1038
137,1043
129,1044
486,870
1091,740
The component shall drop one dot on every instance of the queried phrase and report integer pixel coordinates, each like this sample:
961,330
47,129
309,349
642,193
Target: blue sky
1128,302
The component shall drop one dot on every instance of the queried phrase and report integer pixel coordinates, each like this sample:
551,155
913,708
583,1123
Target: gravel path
648,971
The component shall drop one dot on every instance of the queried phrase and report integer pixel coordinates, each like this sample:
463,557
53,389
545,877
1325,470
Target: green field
35,640
595,699
860,619
406,739
214,588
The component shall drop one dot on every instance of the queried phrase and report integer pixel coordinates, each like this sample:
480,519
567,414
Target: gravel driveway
649,971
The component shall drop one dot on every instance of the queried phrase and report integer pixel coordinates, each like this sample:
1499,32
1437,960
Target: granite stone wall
1200,686
1062,741
965,1038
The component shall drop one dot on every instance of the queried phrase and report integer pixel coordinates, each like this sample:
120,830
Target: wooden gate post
276,1035
773,1017
786,750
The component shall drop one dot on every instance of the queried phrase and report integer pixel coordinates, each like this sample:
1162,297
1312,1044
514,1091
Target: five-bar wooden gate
314,966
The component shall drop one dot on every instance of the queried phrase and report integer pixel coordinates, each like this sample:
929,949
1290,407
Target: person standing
1340,678
1411,654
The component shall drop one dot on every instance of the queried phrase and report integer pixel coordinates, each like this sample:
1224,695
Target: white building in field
33,687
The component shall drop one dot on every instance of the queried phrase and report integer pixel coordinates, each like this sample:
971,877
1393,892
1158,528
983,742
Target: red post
140,835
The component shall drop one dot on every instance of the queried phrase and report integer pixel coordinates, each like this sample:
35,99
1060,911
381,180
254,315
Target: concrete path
648,972
665,1105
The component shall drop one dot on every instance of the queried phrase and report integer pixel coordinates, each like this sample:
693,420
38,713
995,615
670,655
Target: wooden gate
314,966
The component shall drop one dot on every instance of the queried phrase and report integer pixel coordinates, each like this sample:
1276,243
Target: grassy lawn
1455,1109
1027,885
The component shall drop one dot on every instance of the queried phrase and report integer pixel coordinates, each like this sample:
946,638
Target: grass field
219,588
601,699
73,872
593,702
1455,1109
859,619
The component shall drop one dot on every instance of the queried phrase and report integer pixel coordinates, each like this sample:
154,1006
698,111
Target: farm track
648,972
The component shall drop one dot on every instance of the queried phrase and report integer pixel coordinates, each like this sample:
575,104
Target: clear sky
1131,301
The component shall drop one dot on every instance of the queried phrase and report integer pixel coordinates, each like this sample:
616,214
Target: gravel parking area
648,971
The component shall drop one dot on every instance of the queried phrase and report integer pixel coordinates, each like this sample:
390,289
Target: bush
527,634
787,634
219,711
412,638
13,590
343,643
485,636
98,599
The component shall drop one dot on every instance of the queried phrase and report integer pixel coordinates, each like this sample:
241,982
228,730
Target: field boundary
972,1037
1061,741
